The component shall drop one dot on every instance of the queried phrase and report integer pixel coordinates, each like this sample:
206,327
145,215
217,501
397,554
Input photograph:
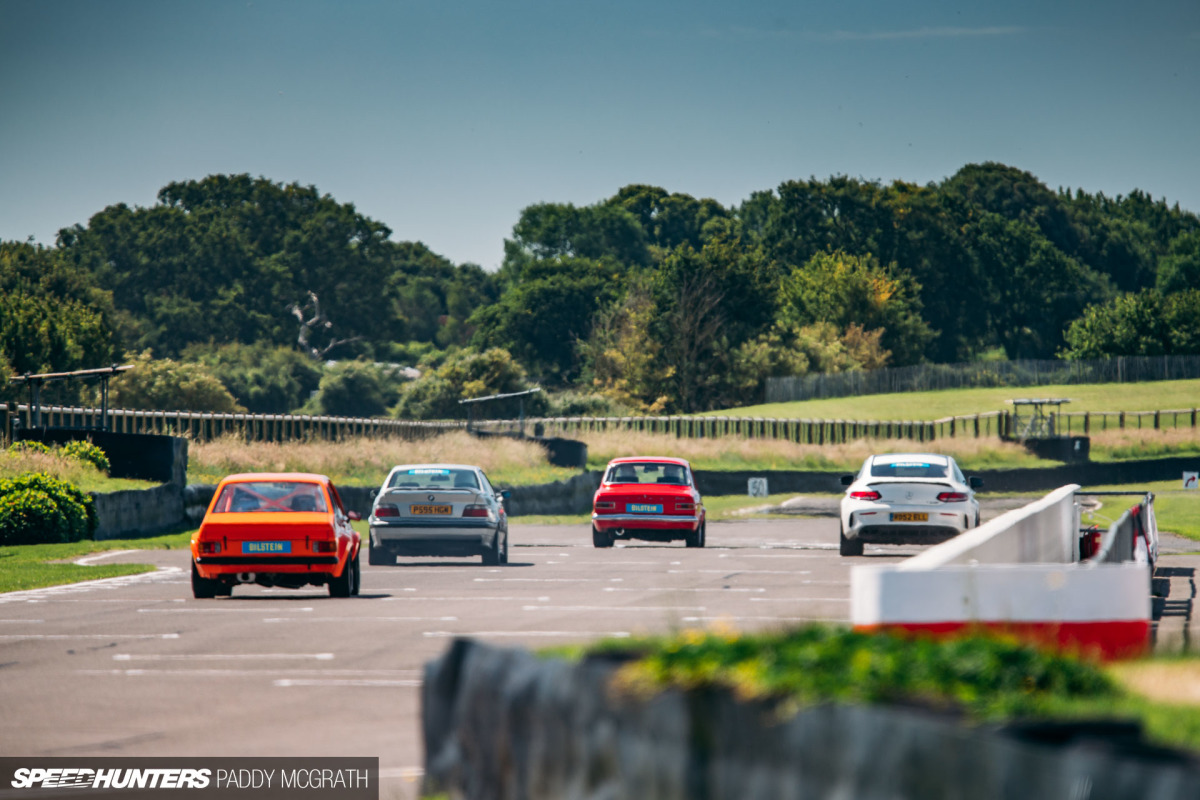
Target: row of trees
647,300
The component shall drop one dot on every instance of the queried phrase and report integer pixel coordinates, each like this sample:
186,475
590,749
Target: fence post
1157,420
1121,420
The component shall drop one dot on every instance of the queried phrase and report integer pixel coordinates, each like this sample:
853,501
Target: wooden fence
287,427
206,426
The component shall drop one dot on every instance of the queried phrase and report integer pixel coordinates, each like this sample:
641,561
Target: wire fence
934,377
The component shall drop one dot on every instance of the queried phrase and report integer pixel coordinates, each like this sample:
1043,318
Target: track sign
1190,480
757,487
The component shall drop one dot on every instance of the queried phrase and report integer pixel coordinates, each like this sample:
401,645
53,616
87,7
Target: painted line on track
613,608
87,561
235,609
678,589
224,657
341,674
161,575
290,682
799,599
506,634
89,635
469,597
360,619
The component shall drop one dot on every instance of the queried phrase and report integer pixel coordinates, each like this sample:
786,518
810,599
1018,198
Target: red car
649,498
276,529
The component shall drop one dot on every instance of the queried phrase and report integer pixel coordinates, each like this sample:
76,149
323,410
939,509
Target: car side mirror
505,494
354,515
974,481
847,480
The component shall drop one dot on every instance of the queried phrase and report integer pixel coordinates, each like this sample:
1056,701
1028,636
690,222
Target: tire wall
502,724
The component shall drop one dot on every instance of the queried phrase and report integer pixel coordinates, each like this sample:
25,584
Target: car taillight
322,546
475,511
685,506
387,511
952,497
605,505
210,548
869,495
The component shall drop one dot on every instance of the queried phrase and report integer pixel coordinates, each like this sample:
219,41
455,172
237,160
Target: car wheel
601,538
976,519
225,590
695,538
203,588
491,556
342,584
504,552
849,547
380,556
354,591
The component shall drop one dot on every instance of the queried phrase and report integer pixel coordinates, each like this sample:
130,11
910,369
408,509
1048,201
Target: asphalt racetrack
137,667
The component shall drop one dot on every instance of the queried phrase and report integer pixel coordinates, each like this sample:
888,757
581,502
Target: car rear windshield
270,496
434,478
908,469
647,473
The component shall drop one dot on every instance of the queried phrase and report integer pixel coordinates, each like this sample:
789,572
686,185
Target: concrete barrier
138,512
1019,573
503,724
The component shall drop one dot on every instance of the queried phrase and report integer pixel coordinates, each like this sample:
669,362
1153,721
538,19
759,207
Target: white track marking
772,555
799,599
87,561
469,597
732,571
360,619
288,682
677,589
89,635
486,634
28,621
236,609
224,657
768,619
613,608
162,575
548,580
253,673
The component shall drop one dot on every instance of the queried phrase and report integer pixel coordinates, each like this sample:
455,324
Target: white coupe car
906,498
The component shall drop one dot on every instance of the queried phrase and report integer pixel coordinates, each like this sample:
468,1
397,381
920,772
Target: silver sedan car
906,498
438,510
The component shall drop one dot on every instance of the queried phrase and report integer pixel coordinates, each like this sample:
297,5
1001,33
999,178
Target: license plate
910,516
419,510
261,548
645,508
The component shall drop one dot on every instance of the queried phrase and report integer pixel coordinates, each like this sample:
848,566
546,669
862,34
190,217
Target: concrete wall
138,512
501,724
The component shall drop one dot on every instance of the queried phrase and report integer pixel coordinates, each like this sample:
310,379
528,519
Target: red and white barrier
1018,574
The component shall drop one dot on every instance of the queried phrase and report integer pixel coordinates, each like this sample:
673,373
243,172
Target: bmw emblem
431,498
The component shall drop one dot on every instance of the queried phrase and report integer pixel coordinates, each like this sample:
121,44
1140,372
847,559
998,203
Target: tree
1147,323
168,385
464,375
1179,269
355,389
263,378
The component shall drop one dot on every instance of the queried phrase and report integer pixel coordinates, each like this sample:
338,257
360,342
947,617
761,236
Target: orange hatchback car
276,529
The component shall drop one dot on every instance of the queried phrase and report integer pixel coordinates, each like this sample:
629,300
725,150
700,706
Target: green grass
988,678
33,566
719,508
1150,396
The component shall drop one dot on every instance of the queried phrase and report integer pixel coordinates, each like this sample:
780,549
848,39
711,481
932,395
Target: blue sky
444,119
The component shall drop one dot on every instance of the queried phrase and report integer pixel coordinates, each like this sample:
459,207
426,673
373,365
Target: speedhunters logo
73,777
203,778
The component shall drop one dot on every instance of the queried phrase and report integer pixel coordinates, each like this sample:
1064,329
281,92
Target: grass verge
37,566
71,470
985,678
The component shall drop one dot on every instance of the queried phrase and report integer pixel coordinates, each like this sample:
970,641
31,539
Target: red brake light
324,546
210,548
605,505
685,506
867,495
387,511
475,511
952,497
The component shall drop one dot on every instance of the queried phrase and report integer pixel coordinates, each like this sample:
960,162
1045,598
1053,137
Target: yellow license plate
429,510
910,516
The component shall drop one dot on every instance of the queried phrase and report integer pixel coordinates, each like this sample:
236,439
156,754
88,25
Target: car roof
434,466
892,458
297,477
650,459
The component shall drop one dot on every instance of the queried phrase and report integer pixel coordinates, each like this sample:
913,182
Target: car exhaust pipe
245,577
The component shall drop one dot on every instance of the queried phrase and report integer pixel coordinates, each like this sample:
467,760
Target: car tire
380,556
848,547
344,583
601,538
504,552
225,590
203,588
976,519
357,588
695,538
491,556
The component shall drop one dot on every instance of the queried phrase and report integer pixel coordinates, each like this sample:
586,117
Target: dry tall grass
365,462
72,470
1133,443
737,453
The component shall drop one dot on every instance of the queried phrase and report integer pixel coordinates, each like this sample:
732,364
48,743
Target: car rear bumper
216,566
436,540
609,522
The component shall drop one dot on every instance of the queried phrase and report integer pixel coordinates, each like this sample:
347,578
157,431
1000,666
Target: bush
28,446
166,385
20,497
30,516
88,453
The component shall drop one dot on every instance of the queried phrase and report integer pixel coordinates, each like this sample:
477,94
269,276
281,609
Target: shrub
30,516
75,508
28,446
88,453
